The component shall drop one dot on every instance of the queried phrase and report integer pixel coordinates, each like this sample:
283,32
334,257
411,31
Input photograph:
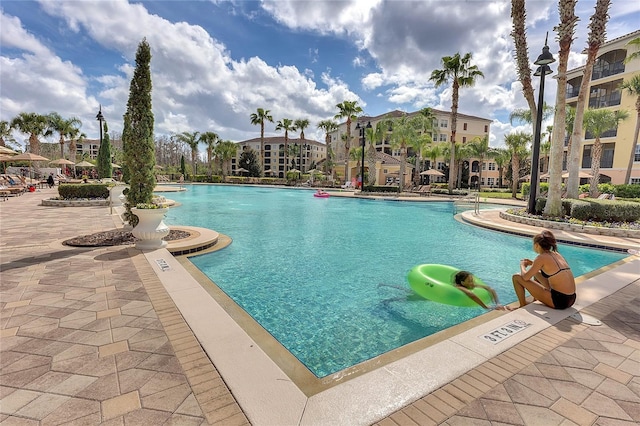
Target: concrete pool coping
269,396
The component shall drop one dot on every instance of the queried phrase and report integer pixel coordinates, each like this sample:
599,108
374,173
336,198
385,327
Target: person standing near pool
548,277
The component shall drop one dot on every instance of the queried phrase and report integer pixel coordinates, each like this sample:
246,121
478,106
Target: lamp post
100,118
543,62
363,141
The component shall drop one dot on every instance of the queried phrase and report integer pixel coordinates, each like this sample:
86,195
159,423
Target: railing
471,201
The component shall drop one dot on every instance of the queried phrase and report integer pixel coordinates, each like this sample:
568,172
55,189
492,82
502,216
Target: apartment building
467,129
609,72
312,153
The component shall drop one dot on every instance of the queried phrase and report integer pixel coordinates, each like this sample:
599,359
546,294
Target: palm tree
374,135
349,110
636,54
596,122
479,148
517,143
301,124
566,31
519,34
596,38
405,131
191,139
210,139
259,117
5,132
426,119
502,157
632,86
64,127
74,136
226,151
459,71
328,126
526,116
35,125
286,124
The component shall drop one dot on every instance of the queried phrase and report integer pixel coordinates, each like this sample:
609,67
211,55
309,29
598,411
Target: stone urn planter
150,229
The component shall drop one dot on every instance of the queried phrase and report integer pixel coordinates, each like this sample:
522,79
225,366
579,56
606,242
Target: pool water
327,277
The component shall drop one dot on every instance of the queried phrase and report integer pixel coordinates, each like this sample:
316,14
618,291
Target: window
464,139
605,95
606,160
636,156
491,181
443,137
484,166
464,126
444,123
573,87
492,166
635,181
440,165
610,63
608,134
486,128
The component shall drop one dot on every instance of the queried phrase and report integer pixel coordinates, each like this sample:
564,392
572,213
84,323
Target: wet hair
461,276
546,240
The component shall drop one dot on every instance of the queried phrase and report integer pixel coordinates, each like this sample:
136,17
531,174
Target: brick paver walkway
89,336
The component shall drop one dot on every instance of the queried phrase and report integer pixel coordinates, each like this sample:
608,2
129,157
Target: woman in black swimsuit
548,278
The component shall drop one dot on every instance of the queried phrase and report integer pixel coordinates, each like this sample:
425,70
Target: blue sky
215,62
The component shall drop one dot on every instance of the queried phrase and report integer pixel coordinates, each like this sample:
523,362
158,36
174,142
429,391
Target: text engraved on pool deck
164,266
504,331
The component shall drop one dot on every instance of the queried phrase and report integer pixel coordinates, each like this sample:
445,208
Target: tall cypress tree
137,134
104,155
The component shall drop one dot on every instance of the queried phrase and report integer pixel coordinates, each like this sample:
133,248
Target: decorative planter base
150,229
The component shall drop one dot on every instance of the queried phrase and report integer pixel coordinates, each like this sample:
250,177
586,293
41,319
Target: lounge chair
424,190
604,196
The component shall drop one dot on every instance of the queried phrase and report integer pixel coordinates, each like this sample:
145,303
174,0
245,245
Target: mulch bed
117,238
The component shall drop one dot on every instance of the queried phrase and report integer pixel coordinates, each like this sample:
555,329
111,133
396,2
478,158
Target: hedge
68,191
596,210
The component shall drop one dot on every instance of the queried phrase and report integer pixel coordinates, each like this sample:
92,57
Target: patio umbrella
580,174
3,159
241,170
62,162
115,166
432,172
8,151
85,164
30,157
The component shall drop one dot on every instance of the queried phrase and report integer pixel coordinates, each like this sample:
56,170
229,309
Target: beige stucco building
609,72
388,165
312,153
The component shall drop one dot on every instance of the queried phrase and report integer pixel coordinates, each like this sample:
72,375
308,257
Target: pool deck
117,336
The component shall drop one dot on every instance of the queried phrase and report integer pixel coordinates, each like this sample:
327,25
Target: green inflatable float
436,282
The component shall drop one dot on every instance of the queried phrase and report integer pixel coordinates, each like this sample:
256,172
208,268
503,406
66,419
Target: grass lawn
501,195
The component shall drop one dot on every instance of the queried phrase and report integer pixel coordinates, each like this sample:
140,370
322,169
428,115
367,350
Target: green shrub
69,191
605,210
627,191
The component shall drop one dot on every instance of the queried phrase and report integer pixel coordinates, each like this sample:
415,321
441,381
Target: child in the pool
464,282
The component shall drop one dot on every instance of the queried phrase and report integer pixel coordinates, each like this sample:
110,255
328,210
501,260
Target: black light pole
100,118
543,62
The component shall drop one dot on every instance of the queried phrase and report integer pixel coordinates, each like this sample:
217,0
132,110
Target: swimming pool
327,277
